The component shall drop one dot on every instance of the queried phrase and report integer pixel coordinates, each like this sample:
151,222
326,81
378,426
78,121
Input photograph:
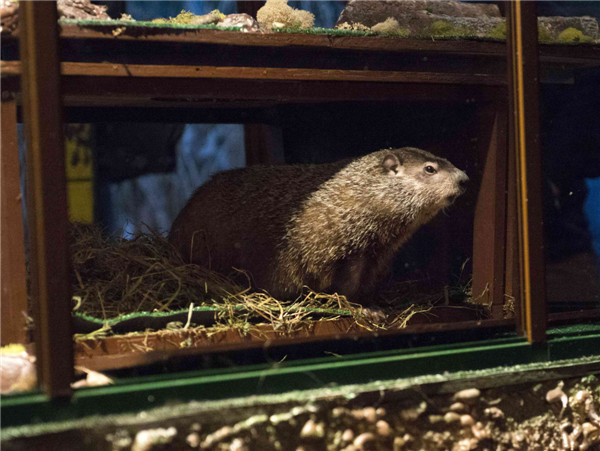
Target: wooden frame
525,131
49,260
169,89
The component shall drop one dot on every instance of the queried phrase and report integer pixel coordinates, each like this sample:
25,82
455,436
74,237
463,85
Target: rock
458,407
363,439
450,18
244,22
67,9
370,13
556,25
468,395
383,428
466,420
9,16
206,19
81,9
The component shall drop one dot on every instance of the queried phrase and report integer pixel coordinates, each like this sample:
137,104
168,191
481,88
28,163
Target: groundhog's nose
462,180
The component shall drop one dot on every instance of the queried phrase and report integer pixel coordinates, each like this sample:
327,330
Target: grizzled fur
332,227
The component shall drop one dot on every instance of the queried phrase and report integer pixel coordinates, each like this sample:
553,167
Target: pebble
363,439
458,407
370,414
381,412
467,395
467,420
451,417
383,428
494,413
146,439
339,412
348,435
311,429
238,445
193,440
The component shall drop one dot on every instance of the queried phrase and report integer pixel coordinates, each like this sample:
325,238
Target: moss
442,28
391,27
305,19
544,35
353,26
278,14
189,18
184,17
573,35
498,32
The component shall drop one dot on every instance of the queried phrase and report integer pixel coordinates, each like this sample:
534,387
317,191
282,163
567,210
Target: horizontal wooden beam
263,73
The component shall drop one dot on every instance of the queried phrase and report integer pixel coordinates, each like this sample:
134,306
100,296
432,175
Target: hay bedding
115,279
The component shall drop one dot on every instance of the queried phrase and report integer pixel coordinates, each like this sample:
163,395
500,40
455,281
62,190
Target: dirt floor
521,409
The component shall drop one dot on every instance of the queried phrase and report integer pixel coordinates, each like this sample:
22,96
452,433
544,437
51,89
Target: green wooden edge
133,394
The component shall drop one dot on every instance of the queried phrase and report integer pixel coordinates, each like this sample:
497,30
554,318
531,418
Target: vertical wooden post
490,214
13,278
523,74
264,144
47,196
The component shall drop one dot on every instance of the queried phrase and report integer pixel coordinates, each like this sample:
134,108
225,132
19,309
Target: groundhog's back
239,217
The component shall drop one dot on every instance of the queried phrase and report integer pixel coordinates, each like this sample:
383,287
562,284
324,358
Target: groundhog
332,227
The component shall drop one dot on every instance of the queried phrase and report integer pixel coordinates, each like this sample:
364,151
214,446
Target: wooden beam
490,213
523,74
13,278
46,197
263,73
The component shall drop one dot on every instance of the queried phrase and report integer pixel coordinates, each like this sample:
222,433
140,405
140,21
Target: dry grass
113,277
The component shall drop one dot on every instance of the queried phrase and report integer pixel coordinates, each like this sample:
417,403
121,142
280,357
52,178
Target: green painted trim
132,394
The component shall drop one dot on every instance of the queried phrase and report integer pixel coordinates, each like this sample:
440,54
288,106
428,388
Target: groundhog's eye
430,169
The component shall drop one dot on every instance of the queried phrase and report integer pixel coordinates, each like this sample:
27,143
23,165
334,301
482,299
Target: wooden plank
152,347
13,279
278,39
261,73
523,76
490,213
46,197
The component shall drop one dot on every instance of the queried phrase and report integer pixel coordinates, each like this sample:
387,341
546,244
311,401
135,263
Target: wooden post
46,196
490,213
523,74
263,143
12,258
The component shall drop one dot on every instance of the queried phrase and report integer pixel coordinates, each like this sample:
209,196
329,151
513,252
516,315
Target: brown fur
333,227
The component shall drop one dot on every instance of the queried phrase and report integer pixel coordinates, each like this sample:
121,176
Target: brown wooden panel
12,259
490,213
263,143
523,76
47,197
263,73
152,347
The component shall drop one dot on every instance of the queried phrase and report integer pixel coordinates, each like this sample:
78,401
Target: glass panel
570,128
386,235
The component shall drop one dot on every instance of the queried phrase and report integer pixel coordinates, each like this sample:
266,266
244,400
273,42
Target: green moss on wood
573,35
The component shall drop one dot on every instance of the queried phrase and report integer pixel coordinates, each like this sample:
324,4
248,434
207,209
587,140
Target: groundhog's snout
462,179
460,182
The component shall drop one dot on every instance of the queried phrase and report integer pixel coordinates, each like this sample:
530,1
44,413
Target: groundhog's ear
391,163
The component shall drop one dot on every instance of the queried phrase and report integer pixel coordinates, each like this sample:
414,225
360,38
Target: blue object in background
144,10
592,211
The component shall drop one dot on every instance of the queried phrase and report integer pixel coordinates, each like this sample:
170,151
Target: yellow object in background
80,172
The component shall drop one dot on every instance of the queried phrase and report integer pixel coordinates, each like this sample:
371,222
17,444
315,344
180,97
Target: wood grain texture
12,258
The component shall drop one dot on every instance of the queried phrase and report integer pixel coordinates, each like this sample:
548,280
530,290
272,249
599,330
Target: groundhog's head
434,181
